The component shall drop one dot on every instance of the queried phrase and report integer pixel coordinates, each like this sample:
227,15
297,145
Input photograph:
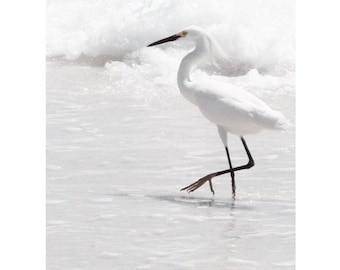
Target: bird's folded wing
233,107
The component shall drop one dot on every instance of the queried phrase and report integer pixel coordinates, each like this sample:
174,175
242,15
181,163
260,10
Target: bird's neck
188,63
191,60
184,70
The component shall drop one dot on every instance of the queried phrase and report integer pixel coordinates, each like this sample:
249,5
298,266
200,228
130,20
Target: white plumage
231,108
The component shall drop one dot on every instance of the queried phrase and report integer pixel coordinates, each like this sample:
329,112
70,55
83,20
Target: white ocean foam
257,34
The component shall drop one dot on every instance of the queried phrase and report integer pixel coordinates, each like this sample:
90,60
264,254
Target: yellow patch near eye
184,33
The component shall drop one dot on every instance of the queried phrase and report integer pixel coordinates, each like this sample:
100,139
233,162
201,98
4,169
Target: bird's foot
192,187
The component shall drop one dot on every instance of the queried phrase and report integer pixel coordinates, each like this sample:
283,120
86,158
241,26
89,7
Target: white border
318,134
22,143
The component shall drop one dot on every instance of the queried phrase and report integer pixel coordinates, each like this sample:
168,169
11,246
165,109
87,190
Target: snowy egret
231,108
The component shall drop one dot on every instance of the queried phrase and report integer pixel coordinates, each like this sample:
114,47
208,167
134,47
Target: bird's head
204,43
190,33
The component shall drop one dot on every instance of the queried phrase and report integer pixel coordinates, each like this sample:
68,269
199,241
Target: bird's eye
184,33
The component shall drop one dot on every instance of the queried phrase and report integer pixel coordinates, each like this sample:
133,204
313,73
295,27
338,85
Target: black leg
208,177
232,174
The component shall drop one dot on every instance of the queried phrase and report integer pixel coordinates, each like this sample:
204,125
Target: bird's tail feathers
283,123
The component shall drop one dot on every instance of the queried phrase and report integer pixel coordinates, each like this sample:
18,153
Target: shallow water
116,161
122,141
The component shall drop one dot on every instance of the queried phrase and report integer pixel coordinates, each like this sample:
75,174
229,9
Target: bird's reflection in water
202,202
231,216
232,224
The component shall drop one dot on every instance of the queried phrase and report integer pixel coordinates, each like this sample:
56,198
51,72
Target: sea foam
256,34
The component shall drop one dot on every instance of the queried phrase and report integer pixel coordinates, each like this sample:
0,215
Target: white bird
231,108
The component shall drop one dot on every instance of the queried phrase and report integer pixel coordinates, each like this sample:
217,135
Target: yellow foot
199,183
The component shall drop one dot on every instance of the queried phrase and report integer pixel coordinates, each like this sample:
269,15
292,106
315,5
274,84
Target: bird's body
230,108
236,110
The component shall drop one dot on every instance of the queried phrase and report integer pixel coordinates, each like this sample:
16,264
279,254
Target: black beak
171,38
